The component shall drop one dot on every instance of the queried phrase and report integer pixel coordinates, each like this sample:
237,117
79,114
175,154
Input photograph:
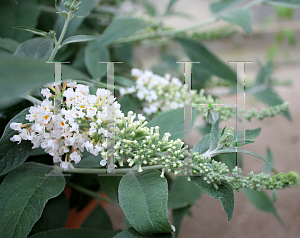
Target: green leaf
261,200
170,5
202,145
120,28
173,122
143,198
178,194
79,38
13,155
224,193
93,54
23,195
237,150
268,166
32,30
37,151
150,8
283,3
54,216
210,64
239,17
97,219
109,186
129,103
9,44
222,5
264,74
242,142
132,233
178,215
24,13
86,7
20,74
212,116
249,134
75,233
214,136
36,48
126,82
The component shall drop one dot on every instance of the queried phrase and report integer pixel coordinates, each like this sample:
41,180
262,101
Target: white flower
46,93
16,138
75,156
16,126
66,165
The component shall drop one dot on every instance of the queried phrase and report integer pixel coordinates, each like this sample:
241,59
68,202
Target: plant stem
31,99
61,37
88,192
104,171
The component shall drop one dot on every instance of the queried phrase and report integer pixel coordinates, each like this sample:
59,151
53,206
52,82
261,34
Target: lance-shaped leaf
239,17
178,215
23,196
132,233
79,38
143,198
120,28
238,150
214,136
13,155
202,145
222,5
224,193
34,31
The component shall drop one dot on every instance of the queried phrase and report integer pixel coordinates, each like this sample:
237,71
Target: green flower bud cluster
226,139
72,5
263,181
270,112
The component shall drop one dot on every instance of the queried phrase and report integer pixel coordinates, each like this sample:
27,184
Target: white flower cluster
85,121
164,93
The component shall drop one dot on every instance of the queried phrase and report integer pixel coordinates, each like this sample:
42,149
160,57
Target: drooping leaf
75,233
132,233
93,54
8,44
120,28
239,17
143,198
224,193
178,194
210,64
24,13
13,155
98,219
172,122
54,216
79,38
22,74
261,200
178,215
23,195
36,48
220,6
268,166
